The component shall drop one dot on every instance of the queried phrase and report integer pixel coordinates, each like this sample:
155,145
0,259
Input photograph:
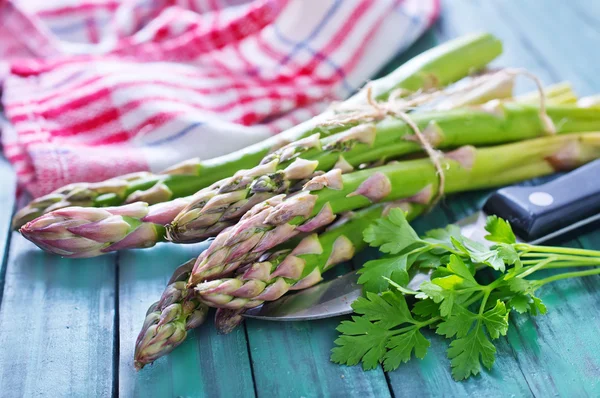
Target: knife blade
537,214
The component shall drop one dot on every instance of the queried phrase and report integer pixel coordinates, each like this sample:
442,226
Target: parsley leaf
520,303
387,331
499,230
365,338
447,289
389,309
361,340
374,272
402,346
491,258
457,266
478,253
496,320
520,285
509,255
444,236
391,234
426,259
473,347
465,354
538,306
458,323
441,294
426,308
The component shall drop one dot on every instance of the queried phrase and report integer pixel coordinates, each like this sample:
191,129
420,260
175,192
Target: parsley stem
470,289
486,295
567,275
417,325
536,267
565,264
566,259
473,299
533,250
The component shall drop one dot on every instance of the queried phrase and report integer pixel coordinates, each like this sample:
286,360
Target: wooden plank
291,359
462,17
559,35
56,324
206,365
7,203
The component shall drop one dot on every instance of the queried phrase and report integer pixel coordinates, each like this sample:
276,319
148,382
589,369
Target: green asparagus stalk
212,210
279,219
437,67
168,320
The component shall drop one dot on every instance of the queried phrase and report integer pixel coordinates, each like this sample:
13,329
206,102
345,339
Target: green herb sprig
455,301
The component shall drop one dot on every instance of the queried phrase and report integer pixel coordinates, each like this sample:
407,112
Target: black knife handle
535,212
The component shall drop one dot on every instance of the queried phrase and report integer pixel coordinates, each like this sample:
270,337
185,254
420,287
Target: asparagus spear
212,210
168,320
437,67
280,219
78,232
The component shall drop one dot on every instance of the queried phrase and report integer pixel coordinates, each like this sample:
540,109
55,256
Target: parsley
455,301
386,332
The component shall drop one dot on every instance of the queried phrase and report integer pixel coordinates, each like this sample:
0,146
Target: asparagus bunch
163,328
280,218
168,320
87,232
437,67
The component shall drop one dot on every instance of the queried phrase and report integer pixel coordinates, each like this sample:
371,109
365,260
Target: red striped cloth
96,88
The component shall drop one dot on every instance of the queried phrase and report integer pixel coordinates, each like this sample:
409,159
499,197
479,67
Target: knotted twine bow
400,101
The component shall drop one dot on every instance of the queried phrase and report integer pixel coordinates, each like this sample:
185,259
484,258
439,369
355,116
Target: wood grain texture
7,204
205,365
56,324
291,359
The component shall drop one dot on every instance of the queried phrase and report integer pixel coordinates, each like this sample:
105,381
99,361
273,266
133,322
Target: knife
537,214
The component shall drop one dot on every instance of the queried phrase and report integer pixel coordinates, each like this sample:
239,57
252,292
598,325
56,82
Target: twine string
398,103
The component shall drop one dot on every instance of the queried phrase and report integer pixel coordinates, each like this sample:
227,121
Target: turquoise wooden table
67,327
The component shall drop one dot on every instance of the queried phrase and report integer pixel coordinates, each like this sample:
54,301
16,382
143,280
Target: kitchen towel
92,89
